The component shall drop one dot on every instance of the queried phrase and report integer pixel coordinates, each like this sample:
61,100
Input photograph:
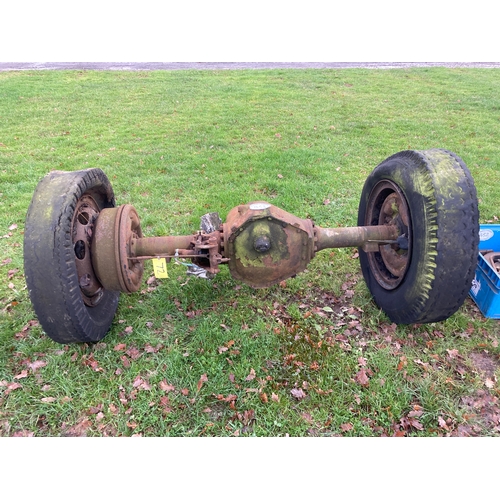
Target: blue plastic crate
485,290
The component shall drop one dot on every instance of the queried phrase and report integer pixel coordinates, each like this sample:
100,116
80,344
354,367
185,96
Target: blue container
485,290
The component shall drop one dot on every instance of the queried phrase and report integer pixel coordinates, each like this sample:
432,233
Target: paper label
160,268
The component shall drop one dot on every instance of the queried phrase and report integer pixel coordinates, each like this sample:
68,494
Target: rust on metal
115,231
367,237
82,227
261,243
209,247
493,259
202,248
161,246
388,209
265,244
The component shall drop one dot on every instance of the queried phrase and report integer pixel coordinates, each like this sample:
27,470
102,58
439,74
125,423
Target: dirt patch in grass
485,363
483,415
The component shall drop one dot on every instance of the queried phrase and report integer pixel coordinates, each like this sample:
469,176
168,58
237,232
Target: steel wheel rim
82,228
387,205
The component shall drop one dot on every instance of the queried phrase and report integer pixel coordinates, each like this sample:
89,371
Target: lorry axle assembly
417,235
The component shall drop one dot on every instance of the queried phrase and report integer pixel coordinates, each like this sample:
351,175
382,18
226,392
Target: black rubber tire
49,257
444,235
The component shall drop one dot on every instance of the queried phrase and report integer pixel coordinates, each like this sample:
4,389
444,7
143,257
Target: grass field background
188,357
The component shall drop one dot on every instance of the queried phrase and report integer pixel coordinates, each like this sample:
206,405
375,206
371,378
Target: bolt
85,280
262,244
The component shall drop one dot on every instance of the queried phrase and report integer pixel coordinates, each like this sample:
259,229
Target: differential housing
265,244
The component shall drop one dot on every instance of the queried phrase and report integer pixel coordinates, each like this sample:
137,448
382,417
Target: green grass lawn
191,357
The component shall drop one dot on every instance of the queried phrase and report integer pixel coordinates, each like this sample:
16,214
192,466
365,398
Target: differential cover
265,244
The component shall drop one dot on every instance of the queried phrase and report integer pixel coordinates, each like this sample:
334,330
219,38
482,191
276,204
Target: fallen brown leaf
23,433
489,383
23,374
133,353
251,376
361,377
77,430
92,363
12,387
152,350
141,384
361,361
307,417
165,386
202,380
298,393
125,361
415,413
402,363
26,328
442,423
36,365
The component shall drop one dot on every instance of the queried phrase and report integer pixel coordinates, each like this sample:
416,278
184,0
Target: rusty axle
261,243
161,246
367,237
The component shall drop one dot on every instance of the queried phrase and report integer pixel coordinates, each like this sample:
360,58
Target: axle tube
161,246
367,237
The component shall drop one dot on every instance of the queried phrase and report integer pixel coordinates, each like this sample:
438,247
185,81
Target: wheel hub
387,206
82,228
115,230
